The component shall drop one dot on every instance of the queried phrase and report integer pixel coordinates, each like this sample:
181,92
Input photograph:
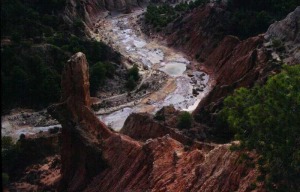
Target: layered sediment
94,158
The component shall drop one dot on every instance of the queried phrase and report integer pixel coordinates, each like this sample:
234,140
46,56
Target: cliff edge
94,158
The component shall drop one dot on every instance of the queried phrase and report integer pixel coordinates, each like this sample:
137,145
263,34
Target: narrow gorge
166,128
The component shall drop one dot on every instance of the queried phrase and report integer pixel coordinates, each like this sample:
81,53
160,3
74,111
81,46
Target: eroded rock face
150,129
236,63
39,177
97,159
165,122
81,152
164,164
90,10
287,32
199,32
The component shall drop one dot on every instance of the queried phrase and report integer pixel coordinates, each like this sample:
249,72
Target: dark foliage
41,44
160,16
266,119
133,77
185,120
251,17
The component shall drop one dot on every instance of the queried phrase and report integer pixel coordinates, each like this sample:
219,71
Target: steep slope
234,63
95,158
90,10
81,153
198,32
286,33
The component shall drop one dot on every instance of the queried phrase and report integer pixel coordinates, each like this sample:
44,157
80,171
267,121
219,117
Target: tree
266,119
185,120
20,81
97,77
134,73
131,84
5,179
50,87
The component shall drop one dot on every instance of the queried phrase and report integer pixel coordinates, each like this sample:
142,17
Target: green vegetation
247,17
134,73
10,154
133,77
266,119
98,73
251,17
5,179
185,120
159,117
41,43
160,16
28,19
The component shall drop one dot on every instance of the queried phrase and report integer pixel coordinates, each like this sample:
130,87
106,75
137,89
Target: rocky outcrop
236,63
165,122
95,158
199,32
232,63
90,10
151,129
82,132
286,33
164,164
43,176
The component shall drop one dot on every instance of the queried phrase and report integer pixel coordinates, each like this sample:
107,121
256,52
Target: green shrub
266,119
159,117
97,77
5,179
6,142
251,17
131,83
134,73
185,120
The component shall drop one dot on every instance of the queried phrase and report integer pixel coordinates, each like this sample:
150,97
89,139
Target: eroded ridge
94,158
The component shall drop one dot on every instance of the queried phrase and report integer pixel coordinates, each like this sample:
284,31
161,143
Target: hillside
142,95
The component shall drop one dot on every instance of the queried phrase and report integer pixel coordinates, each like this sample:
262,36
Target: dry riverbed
167,79
180,89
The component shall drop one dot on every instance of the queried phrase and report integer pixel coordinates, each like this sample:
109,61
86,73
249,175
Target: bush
266,119
133,77
161,16
5,179
252,17
6,142
185,120
131,83
97,77
134,73
159,117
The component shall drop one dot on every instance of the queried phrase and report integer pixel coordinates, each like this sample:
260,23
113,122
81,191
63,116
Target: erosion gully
183,88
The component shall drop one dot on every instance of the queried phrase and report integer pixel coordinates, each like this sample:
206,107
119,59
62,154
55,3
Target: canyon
124,147
90,151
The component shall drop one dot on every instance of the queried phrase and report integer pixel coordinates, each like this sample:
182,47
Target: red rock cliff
97,159
81,152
